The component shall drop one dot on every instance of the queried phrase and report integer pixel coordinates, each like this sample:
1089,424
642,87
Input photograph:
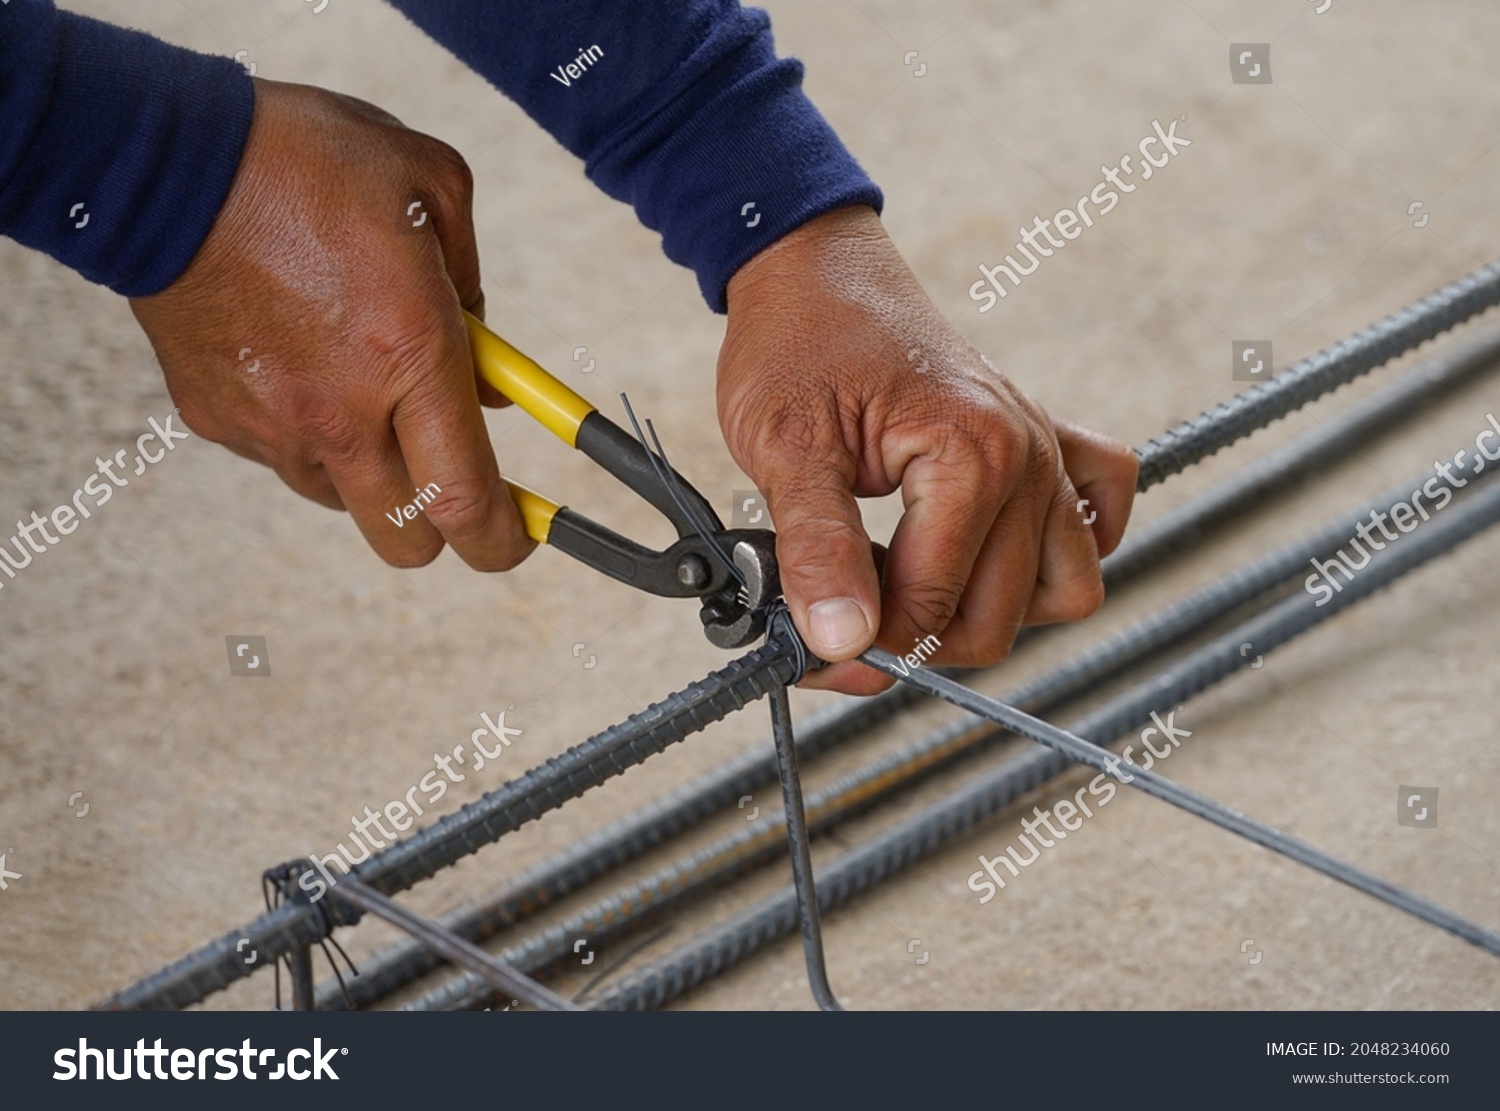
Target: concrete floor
1287,218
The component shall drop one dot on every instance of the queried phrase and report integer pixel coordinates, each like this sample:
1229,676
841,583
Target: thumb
826,563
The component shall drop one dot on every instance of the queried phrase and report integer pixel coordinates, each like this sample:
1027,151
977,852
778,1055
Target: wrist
828,241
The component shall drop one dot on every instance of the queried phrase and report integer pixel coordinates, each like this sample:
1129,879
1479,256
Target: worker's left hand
839,379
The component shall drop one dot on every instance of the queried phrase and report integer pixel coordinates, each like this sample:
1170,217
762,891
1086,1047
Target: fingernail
837,623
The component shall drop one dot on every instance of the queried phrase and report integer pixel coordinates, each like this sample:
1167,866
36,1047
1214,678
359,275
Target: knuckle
1044,460
992,645
812,546
335,432
994,635
1000,443
461,510
791,433
1081,598
415,553
930,605
453,172
1071,507
799,435
1071,598
797,430
405,338
440,170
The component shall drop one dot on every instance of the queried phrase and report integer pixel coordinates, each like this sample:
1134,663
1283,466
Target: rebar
1266,402
1348,430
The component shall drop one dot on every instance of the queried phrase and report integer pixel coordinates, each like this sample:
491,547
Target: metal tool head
736,617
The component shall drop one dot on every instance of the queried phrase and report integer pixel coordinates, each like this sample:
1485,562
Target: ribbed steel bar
1326,445
606,754
958,813
1269,401
1143,550
452,947
613,918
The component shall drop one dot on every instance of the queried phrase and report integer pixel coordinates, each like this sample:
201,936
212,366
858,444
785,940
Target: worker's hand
839,378
318,328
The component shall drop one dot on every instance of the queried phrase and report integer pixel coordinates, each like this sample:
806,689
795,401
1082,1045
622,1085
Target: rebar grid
293,927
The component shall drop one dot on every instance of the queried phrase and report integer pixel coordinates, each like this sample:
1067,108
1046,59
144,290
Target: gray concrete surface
1287,218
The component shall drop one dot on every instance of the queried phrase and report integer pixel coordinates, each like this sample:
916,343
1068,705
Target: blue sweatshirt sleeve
678,107
116,149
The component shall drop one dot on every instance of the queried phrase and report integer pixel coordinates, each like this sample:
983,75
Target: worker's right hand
823,401
318,329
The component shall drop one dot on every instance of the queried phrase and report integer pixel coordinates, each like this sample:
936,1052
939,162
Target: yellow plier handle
693,567
556,407
523,380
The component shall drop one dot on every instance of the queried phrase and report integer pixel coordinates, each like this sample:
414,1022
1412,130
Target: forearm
677,107
116,149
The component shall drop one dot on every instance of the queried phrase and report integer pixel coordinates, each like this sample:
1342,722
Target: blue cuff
735,163
118,149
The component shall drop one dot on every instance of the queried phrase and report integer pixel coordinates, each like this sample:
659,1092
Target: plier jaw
732,570
736,618
690,568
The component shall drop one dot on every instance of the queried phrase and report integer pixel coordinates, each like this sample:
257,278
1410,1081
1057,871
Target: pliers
732,571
